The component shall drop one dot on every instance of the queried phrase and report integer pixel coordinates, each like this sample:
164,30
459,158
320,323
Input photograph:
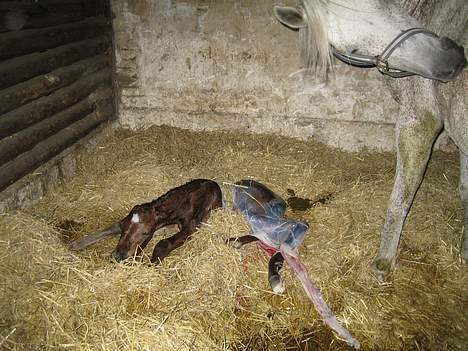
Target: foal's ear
291,17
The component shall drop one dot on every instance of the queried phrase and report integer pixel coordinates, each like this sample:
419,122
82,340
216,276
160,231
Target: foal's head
137,230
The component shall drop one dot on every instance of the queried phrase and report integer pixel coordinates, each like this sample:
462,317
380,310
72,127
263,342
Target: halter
381,61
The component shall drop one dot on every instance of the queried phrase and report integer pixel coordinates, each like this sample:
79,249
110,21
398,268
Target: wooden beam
25,139
40,13
47,19
47,149
44,107
24,42
24,92
6,5
26,67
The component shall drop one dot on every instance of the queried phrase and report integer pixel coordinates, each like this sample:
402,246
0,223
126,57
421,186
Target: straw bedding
207,296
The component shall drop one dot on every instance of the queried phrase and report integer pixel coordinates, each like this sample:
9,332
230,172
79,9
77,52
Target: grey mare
362,32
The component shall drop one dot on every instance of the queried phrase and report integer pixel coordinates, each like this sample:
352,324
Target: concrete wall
229,64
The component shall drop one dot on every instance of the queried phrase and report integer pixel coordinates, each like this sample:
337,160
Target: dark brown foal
185,206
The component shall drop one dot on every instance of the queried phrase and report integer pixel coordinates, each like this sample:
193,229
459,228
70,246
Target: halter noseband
381,61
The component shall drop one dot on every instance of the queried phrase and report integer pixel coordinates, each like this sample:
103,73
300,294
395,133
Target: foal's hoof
75,245
156,260
277,285
382,267
234,243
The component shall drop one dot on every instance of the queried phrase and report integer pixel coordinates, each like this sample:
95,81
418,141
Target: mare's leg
237,243
274,278
416,132
464,197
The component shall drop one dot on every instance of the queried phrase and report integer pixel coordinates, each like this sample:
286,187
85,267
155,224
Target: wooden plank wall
55,79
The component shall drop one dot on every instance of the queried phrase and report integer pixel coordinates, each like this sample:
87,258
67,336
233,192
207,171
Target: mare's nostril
447,43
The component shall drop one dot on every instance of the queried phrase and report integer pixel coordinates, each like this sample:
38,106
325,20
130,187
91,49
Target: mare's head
137,230
367,27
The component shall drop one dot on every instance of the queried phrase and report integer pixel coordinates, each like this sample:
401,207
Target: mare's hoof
382,267
277,285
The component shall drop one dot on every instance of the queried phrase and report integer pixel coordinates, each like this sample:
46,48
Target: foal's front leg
80,244
164,247
464,197
415,140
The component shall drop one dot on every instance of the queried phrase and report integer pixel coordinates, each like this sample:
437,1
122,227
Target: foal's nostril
116,256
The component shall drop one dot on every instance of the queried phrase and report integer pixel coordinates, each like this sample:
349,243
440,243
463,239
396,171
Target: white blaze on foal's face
135,218
137,229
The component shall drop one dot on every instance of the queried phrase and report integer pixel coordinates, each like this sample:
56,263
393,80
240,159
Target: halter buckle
381,64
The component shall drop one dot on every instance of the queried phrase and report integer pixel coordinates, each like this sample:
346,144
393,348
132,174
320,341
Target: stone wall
226,64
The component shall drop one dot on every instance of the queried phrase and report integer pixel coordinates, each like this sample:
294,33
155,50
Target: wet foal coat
185,206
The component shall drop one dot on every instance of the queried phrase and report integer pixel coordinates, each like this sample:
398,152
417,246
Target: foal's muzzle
118,256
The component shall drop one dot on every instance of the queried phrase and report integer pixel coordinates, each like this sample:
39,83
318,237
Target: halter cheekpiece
381,61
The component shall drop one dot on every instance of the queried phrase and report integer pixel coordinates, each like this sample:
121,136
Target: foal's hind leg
464,197
237,243
274,278
274,265
415,140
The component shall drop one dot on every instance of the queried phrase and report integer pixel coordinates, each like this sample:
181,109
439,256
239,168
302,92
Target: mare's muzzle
444,62
450,63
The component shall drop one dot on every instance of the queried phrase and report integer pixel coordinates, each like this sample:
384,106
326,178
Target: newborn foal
185,206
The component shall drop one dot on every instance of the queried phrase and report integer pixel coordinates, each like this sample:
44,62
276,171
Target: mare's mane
315,49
